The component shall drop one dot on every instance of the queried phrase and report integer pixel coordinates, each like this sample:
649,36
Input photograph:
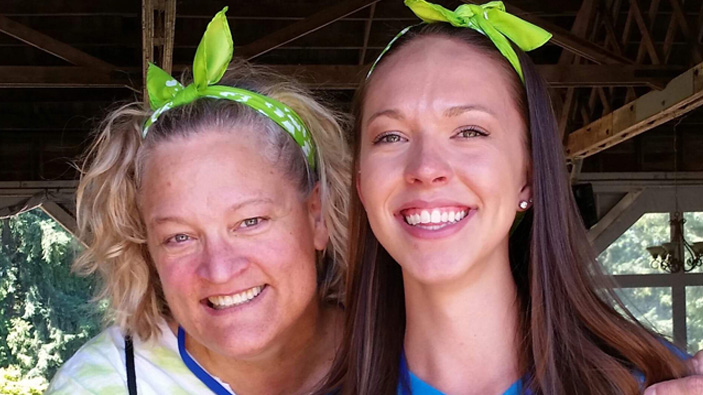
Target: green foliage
13,383
45,311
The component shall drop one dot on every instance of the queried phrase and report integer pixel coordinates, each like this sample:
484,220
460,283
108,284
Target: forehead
210,168
439,71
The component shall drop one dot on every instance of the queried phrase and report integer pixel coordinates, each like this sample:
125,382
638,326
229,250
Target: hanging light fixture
677,255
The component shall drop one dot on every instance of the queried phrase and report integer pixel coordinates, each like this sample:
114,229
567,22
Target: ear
317,220
526,190
358,186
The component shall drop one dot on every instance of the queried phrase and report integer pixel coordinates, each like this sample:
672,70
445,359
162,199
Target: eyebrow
391,113
458,110
234,207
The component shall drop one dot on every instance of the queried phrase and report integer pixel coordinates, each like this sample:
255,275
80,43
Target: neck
293,366
462,337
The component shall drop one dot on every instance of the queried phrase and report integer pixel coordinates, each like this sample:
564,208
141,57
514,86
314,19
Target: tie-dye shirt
99,368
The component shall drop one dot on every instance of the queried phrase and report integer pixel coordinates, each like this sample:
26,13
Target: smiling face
443,160
233,242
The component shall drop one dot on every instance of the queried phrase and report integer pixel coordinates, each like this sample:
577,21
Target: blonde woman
217,224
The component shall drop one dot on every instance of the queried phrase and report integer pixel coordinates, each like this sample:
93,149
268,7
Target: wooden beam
66,219
367,35
334,76
53,46
582,23
302,28
581,76
58,77
158,30
651,15
689,33
683,94
567,40
646,35
611,216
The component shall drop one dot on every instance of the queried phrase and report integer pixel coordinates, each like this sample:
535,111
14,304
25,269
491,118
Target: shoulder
97,367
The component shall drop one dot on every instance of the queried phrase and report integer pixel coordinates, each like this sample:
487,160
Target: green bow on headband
212,57
489,19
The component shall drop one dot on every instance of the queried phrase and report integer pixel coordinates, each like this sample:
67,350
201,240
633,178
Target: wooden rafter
158,30
367,34
303,27
567,40
647,40
53,46
335,76
584,19
691,36
58,77
683,94
651,16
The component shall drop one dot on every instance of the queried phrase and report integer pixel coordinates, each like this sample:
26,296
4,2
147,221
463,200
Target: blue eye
249,222
178,239
388,138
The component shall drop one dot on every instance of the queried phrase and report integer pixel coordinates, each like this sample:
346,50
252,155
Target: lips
220,302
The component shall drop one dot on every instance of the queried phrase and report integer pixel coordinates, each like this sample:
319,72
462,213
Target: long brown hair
572,338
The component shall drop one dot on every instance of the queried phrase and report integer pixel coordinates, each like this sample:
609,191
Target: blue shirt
419,387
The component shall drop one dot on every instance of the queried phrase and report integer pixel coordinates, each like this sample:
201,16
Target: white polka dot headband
212,57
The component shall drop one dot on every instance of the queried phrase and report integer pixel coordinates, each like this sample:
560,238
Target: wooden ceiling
617,68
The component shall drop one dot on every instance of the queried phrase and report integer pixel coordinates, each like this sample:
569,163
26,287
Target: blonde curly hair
108,217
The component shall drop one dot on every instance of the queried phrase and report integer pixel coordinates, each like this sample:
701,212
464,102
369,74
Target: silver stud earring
523,204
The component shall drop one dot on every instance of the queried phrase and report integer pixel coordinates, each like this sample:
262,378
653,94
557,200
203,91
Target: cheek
177,277
377,174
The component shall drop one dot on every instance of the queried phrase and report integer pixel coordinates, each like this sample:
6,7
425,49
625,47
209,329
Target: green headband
489,19
212,57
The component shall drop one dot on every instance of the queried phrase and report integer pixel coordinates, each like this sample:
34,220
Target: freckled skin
431,159
196,182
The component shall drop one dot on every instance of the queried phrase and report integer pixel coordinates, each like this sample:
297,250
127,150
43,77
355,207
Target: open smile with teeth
225,301
435,218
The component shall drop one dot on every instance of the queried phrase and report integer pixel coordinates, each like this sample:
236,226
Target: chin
242,347
433,269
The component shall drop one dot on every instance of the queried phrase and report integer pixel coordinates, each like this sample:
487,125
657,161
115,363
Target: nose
426,165
221,261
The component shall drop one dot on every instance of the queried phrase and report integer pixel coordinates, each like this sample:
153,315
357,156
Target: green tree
45,311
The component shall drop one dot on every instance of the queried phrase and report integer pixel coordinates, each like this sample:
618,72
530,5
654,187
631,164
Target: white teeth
431,219
425,217
221,302
436,216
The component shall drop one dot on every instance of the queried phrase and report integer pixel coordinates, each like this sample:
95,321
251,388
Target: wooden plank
158,30
301,28
561,76
683,94
58,77
651,15
367,34
568,40
582,23
53,46
334,76
66,219
646,35
614,214
691,37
